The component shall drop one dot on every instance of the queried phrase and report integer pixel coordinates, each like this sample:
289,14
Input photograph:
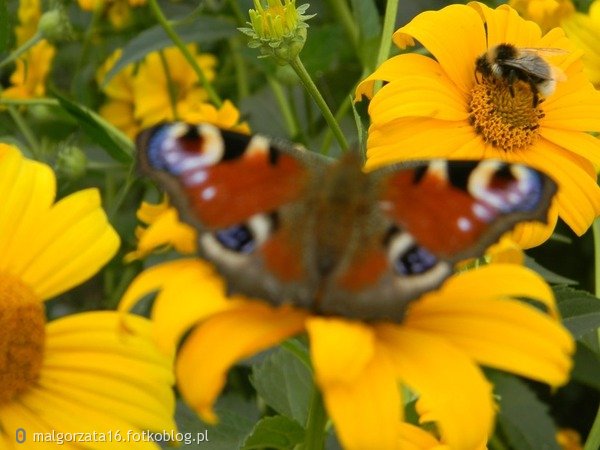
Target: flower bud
278,29
71,162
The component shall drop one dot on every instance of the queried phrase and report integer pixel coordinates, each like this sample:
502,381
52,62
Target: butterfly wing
233,188
439,213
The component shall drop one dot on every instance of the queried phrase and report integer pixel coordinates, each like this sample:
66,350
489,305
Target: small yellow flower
29,78
569,439
118,11
473,319
120,99
439,107
72,374
29,14
165,84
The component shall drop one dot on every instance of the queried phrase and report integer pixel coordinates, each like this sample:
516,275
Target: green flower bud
278,29
54,25
71,162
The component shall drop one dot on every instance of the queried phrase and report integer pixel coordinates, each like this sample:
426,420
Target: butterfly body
284,225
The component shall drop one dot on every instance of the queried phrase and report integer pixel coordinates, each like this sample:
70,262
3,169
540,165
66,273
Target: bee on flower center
511,64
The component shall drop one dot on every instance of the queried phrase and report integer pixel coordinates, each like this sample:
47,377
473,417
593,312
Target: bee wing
541,51
530,63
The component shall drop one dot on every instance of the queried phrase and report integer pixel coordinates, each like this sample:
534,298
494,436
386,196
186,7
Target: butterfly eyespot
238,238
506,188
407,257
246,237
415,261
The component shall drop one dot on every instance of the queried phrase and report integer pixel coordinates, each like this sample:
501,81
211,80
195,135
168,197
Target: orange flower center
22,337
505,118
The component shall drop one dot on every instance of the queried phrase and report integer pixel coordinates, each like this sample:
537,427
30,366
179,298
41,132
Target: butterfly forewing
286,226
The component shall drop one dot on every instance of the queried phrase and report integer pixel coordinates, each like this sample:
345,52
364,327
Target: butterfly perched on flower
286,225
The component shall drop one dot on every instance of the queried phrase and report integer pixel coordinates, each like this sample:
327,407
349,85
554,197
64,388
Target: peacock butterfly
286,225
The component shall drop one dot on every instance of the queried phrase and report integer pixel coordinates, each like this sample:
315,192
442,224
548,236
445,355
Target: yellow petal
532,234
27,189
428,94
452,390
490,282
415,438
505,25
192,294
366,410
578,195
167,229
454,36
579,143
75,243
218,343
416,138
500,333
339,348
396,67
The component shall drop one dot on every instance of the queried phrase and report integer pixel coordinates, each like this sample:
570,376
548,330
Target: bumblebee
509,63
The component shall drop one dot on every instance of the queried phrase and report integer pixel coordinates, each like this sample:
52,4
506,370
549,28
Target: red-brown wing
455,209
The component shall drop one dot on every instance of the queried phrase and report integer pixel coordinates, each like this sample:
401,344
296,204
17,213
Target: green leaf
547,274
285,384
93,126
4,26
202,30
369,32
580,310
237,417
587,367
276,432
523,419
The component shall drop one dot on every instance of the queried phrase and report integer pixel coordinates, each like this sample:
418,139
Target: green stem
237,12
315,423
596,231
37,37
326,145
593,439
241,73
122,193
166,25
170,85
310,87
288,115
27,132
389,22
344,15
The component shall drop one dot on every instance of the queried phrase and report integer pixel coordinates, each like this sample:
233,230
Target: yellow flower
164,74
569,439
473,319
439,107
584,31
118,11
29,14
546,13
120,104
29,78
74,374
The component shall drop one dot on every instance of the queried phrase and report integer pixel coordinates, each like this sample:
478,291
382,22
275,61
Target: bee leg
535,98
511,79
